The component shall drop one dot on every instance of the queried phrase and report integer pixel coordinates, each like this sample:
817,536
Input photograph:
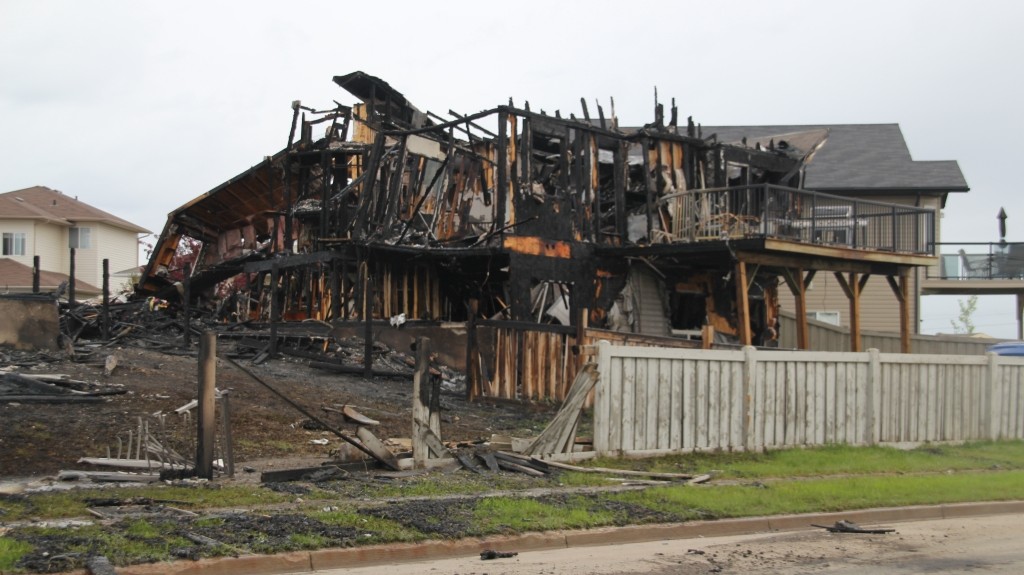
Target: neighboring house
869,162
39,221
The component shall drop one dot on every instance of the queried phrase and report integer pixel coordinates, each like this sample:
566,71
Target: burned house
518,237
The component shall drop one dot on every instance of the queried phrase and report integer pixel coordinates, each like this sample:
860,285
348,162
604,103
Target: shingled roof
866,158
17,277
42,203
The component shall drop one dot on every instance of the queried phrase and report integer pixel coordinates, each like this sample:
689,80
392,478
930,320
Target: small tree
965,320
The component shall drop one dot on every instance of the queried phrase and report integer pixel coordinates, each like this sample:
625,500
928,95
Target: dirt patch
42,439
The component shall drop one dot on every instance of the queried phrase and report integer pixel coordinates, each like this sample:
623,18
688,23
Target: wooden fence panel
670,400
828,337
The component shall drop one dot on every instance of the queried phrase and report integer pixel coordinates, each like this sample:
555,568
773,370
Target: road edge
348,557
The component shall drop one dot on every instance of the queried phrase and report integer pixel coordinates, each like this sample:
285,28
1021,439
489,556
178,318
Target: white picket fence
658,400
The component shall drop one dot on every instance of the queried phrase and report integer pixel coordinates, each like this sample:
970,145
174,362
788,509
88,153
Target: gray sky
138,107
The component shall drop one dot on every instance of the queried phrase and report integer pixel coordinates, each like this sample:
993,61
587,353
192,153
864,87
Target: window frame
12,241
75,238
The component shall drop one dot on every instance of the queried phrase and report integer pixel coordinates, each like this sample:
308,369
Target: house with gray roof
868,162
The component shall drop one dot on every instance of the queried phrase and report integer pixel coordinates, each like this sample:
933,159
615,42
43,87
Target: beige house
869,162
39,221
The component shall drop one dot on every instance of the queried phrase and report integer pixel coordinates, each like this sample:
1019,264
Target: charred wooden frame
527,233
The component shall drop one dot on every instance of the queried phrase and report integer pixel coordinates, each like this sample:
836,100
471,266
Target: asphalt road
992,544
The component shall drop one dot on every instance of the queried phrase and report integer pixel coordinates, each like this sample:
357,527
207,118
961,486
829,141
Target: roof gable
868,157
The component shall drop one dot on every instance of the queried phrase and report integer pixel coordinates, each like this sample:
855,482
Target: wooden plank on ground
377,447
559,435
356,417
432,441
489,460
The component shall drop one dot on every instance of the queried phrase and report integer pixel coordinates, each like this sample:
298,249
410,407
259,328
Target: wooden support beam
1020,316
421,403
71,277
852,288
809,262
275,306
901,289
809,278
473,388
795,280
501,155
742,305
106,300
186,309
367,322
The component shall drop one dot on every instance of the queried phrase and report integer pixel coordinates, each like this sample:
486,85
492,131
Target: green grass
830,494
374,529
508,514
10,551
835,460
823,479
306,541
121,544
65,504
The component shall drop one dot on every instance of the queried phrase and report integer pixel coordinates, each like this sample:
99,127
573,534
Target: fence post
992,409
105,324
874,383
602,421
71,278
35,274
749,379
186,309
205,416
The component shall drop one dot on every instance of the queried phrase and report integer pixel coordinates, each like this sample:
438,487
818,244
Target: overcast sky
138,107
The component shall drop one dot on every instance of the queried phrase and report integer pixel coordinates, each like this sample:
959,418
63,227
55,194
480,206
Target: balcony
976,268
768,211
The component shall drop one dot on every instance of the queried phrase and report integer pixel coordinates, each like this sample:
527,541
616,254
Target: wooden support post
1020,316
742,305
105,320
367,323
35,274
902,291
852,290
275,305
336,296
649,189
501,154
707,337
472,351
421,402
795,280
71,279
619,179
206,409
225,425
186,309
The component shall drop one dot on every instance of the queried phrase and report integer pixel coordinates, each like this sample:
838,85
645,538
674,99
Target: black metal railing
979,261
766,210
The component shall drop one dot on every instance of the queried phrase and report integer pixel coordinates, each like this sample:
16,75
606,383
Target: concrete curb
307,562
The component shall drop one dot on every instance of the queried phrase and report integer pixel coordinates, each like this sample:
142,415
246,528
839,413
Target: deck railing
979,261
765,210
